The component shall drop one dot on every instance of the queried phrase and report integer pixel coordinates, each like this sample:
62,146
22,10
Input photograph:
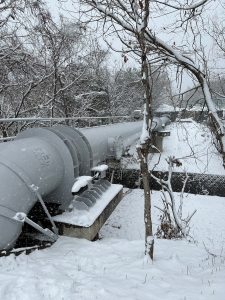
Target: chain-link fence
203,184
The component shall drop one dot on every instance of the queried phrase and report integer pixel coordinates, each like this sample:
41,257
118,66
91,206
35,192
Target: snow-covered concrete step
87,223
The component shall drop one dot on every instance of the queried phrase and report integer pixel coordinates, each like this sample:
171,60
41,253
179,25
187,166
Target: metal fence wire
197,183
203,184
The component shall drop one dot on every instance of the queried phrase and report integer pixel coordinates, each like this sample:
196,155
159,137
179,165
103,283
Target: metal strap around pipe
7,212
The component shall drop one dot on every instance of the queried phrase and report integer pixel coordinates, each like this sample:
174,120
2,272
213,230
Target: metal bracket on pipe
34,189
22,217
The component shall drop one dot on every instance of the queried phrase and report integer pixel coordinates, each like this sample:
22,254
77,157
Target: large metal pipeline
43,163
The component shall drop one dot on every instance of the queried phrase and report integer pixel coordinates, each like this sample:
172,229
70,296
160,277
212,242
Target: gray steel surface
47,161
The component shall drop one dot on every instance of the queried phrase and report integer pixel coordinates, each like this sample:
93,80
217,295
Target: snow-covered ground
114,267
192,143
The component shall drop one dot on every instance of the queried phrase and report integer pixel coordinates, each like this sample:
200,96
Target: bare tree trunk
143,149
149,241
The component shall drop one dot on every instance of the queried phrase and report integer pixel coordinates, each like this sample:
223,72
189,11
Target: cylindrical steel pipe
48,160
25,164
111,140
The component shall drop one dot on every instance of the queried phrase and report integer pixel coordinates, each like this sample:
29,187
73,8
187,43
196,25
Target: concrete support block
90,233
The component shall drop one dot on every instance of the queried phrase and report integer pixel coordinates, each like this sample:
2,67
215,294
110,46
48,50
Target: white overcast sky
214,11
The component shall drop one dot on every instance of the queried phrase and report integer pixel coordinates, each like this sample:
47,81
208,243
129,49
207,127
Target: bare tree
49,69
216,30
131,21
126,91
